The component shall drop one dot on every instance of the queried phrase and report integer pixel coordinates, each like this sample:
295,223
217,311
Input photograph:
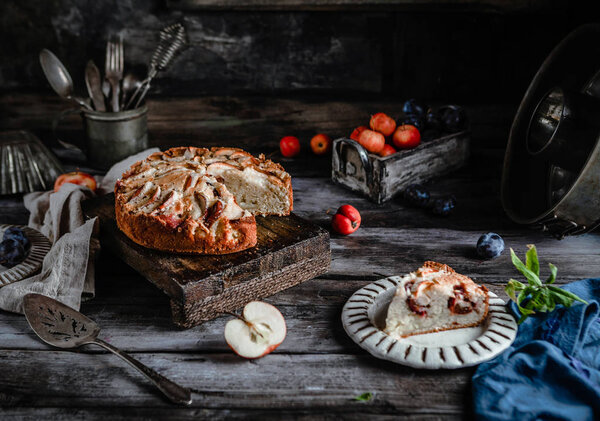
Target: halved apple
259,330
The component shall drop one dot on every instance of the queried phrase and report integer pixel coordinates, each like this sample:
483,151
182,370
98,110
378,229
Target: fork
113,69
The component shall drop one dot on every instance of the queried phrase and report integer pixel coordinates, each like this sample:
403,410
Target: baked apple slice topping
258,331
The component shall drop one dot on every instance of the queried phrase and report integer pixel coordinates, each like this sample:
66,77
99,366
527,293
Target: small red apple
346,220
356,132
372,141
382,123
76,177
320,144
407,137
387,150
289,146
259,330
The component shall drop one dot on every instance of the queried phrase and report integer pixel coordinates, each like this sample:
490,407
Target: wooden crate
381,178
290,250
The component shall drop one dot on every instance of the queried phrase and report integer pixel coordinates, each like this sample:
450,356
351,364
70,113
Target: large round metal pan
534,189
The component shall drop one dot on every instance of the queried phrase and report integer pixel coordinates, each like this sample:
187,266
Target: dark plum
11,252
18,234
416,195
412,107
443,206
453,118
432,120
490,245
413,120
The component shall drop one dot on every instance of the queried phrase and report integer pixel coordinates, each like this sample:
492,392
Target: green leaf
537,301
548,299
524,294
531,277
525,312
537,296
365,397
553,272
565,293
531,260
511,287
561,299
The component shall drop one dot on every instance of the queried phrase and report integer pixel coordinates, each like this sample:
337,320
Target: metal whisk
172,40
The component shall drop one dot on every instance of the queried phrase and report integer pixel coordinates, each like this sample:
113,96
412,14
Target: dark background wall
460,54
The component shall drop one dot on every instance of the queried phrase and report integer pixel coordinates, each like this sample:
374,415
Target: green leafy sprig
543,296
365,397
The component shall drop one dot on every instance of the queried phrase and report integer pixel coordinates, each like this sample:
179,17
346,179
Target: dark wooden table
318,370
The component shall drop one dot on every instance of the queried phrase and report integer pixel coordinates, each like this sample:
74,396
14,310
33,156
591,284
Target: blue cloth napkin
552,370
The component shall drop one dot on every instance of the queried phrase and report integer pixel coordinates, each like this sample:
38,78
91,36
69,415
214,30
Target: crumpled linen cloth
67,273
552,370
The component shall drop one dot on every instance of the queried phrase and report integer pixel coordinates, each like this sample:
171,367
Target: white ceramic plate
364,316
40,246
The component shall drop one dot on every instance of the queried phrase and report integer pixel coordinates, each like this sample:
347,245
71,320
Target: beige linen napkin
68,269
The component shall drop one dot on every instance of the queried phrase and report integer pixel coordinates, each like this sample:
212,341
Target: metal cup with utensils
63,327
111,137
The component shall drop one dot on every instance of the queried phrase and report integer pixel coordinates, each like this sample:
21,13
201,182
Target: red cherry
77,177
289,146
356,132
372,141
382,123
387,150
320,144
407,137
346,220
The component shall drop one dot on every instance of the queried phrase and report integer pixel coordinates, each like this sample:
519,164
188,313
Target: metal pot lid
557,189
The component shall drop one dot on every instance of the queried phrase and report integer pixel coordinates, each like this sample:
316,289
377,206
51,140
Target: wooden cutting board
290,250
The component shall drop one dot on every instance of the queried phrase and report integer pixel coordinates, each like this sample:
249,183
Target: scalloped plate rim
40,246
498,332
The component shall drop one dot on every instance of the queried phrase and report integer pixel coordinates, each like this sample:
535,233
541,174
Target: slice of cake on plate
433,299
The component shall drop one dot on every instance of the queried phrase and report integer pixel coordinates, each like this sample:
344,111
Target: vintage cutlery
113,70
93,81
61,326
172,40
130,83
59,78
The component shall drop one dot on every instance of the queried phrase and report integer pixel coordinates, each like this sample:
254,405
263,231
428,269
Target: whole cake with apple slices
433,299
200,201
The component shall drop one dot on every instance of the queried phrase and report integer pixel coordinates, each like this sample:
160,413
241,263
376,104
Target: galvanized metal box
381,178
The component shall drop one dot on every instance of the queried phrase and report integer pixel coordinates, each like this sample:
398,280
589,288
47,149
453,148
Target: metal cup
112,137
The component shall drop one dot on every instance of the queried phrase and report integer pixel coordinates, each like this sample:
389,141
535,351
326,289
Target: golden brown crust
149,231
167,210
438,266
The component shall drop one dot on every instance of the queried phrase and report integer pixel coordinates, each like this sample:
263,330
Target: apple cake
433,299
200,201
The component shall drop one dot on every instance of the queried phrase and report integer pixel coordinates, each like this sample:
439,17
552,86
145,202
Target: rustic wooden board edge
277,260
194,313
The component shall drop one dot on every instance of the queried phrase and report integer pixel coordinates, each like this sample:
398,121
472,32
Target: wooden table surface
318,370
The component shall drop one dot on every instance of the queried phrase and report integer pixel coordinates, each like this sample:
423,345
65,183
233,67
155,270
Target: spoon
130,83
59,78
61,326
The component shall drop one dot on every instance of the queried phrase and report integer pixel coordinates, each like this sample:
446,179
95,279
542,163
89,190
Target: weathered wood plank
135,316
252,122
55,378
345,5
175,413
